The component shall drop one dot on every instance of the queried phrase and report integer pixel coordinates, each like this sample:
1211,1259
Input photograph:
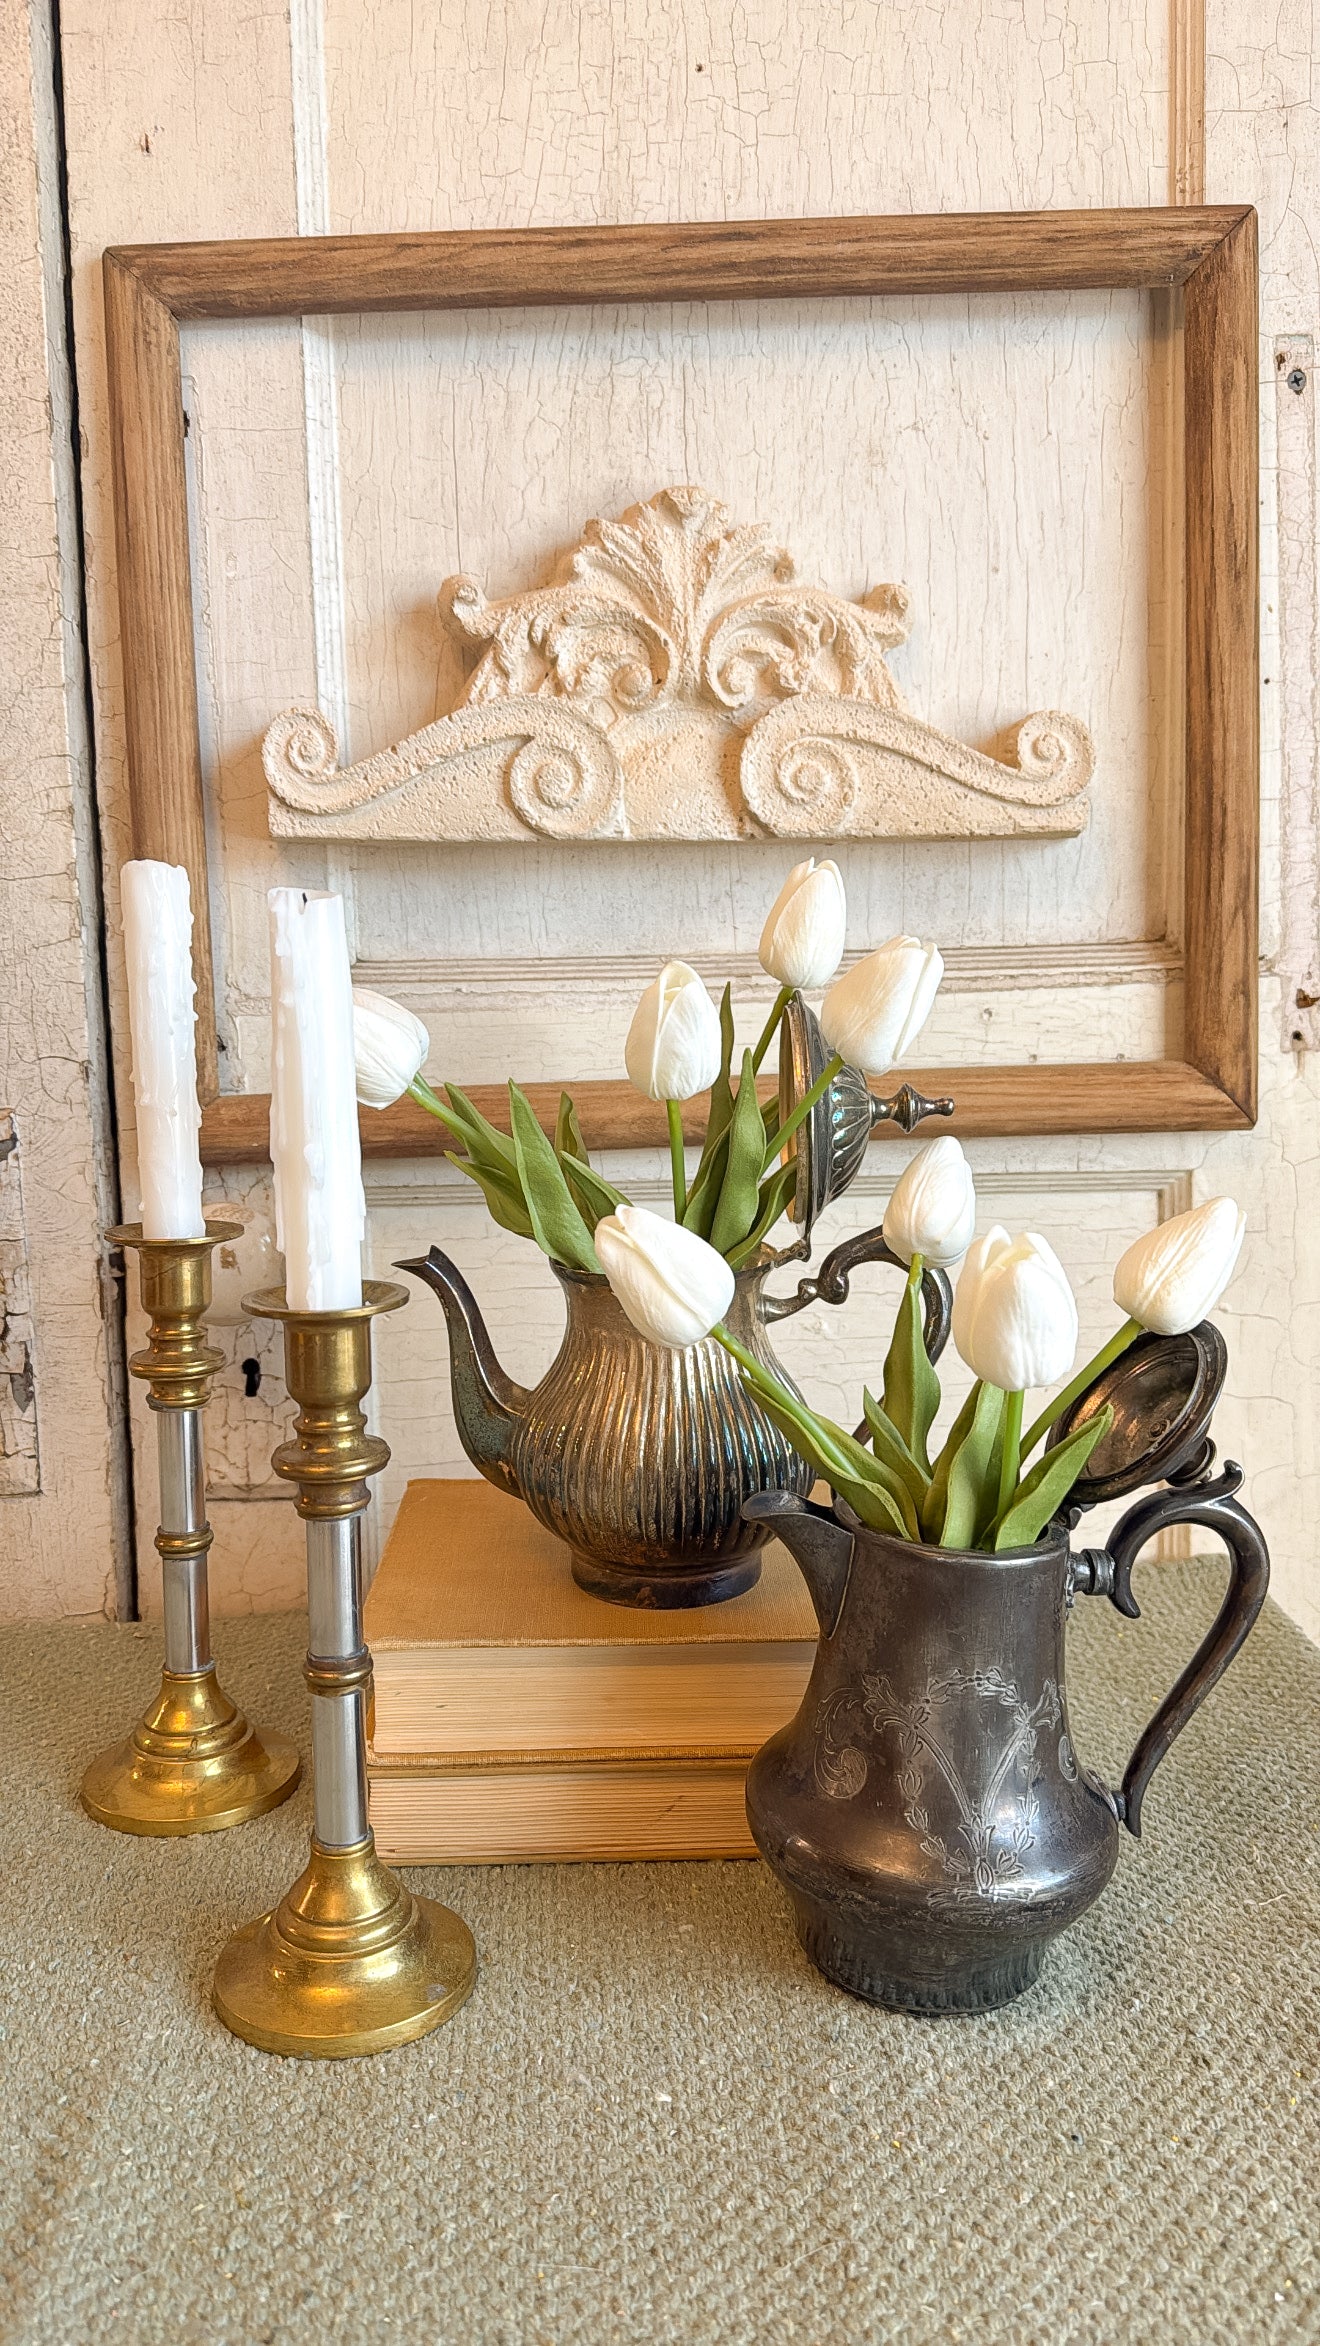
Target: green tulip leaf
1041,1493
845,1455
504,1198
721,1091
557,1225
453,1124
936,1499
703,1197
740,1189
892,1451
911,1387
568,1132
970,1470
596,1196
774,1196
877,1508
868,1498
584,1187
983,1537
484,1144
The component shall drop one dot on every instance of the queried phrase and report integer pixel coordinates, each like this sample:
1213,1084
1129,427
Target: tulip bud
1175,1275
802,941
389,1045
873,1013
933,1209
674,1047
672,1285
1014,1316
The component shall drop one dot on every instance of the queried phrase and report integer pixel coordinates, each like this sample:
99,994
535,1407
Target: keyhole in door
251,1378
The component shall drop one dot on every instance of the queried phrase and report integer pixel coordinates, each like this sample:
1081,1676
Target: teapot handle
830,1285
1107,1572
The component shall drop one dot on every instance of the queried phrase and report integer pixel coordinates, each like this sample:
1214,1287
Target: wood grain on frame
155,608
1210,251
723,260
1222,851
1140,1095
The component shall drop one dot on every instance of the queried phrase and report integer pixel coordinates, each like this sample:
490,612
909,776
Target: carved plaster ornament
678,682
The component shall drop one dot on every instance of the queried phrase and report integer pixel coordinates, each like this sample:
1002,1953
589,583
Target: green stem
1010,1463
1117,1344
782,1000
803,1108
676,1158
760,1378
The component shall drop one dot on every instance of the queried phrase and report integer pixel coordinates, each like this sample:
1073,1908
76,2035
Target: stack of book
516,1718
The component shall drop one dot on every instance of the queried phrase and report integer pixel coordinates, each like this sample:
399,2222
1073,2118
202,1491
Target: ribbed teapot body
640,1457
926,1809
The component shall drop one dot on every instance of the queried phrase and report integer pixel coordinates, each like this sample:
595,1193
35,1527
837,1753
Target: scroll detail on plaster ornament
678,682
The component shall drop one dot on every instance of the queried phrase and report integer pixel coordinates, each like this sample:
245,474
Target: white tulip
389,1046
1014,1315
1170,1279
802,941
873,1013
671,1284
933,1209
673,1048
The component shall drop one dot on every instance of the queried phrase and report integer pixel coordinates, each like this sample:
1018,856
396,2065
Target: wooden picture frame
1210,251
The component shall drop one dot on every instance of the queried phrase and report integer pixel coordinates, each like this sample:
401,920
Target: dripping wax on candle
158,923
320,1209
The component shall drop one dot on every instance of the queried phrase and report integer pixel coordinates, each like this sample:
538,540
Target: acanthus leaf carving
678,681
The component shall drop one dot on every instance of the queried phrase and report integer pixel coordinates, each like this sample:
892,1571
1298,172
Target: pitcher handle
1108,1572
830,1285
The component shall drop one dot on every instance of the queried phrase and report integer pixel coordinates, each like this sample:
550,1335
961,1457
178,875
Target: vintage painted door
1011,461
64,1517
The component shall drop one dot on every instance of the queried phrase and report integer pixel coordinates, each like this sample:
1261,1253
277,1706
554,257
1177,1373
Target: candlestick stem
349,1961
192,1764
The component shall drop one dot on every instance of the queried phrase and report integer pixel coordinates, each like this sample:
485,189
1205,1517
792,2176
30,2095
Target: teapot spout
487,1403
819,1544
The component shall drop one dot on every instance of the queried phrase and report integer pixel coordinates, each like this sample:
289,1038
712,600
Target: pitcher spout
487,1403
819,1544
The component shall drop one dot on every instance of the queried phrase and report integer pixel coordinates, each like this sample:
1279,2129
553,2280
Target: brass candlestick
192,1763
349,1961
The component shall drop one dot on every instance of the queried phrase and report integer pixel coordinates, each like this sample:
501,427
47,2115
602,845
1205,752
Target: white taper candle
320,1211
157,913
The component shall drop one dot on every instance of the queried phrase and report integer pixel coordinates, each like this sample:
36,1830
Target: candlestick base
191,1765
348,1963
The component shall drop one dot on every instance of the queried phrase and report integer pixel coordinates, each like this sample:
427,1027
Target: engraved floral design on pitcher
996,1832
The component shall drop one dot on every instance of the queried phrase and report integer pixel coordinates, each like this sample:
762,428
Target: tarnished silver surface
831,1142
185,1601
338,1673
638,1457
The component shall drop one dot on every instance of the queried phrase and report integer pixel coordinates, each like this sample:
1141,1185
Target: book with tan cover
516,1717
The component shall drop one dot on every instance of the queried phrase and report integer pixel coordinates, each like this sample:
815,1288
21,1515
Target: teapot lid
1163,1391
830,1144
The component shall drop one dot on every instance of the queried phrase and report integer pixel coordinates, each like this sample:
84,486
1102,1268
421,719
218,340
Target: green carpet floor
652,2121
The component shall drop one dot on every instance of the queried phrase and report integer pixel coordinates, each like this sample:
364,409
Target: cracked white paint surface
1009,450
20,1456
57,1538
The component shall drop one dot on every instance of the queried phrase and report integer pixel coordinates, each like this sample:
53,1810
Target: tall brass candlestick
349,1961
192,1763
